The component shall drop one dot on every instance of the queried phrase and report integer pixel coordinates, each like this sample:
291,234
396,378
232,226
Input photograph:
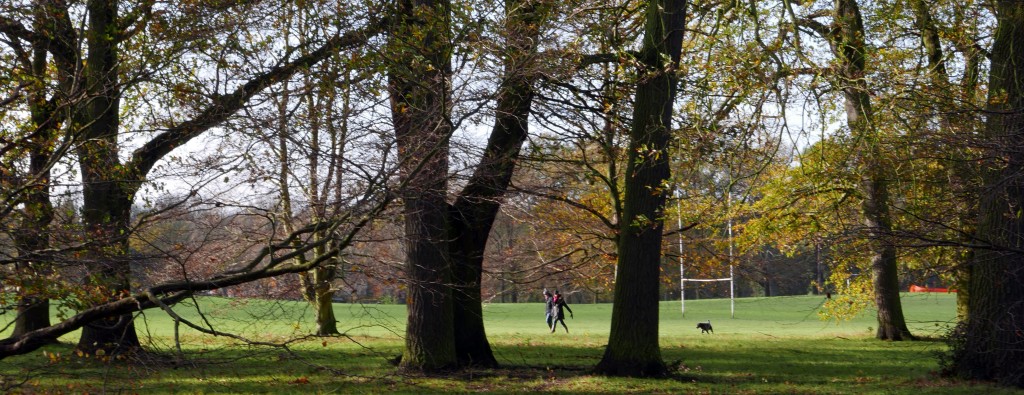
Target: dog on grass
705,327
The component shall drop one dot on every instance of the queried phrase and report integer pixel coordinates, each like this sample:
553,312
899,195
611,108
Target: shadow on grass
704,365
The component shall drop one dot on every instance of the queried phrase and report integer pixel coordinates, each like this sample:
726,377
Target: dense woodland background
448,153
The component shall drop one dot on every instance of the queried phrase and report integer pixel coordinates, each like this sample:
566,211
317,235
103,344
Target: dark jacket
559,314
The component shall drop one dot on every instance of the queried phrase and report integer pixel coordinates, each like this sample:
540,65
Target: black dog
705,327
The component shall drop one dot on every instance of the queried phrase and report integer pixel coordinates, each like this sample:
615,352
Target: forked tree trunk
633,348
990,344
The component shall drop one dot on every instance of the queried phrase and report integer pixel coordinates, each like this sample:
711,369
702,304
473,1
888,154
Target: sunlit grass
773,345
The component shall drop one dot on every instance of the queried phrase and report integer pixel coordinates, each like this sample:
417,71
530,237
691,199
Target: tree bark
848,45
317,291
989,343
419,86
106,204
633,348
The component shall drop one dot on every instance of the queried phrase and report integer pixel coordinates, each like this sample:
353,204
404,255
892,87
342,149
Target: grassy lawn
773,345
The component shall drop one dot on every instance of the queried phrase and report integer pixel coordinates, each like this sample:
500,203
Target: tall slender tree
306,107
846,37
633,348
326,193
848,43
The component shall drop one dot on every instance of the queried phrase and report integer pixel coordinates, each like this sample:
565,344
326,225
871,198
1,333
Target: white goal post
682,275
682,289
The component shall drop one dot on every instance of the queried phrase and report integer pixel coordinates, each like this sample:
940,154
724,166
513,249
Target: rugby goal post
682,273
682,289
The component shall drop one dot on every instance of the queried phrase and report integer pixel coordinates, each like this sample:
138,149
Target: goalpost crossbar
732,291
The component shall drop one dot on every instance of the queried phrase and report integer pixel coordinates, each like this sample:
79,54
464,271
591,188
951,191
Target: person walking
558,303
548,307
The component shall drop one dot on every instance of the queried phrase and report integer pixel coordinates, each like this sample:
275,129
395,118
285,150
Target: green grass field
773,345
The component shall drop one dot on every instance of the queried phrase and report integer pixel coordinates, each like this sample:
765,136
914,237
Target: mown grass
773,345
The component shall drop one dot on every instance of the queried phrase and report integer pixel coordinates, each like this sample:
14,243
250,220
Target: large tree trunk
633,348
473,213
419,85
107,186
989,345
106,215
848,46
429,336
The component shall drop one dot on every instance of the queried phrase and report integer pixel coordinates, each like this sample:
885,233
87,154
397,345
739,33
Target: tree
419,83
847,38
115,37
317,158
934,107
987,344
473,214
107,186
38,143
633,343
326,195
